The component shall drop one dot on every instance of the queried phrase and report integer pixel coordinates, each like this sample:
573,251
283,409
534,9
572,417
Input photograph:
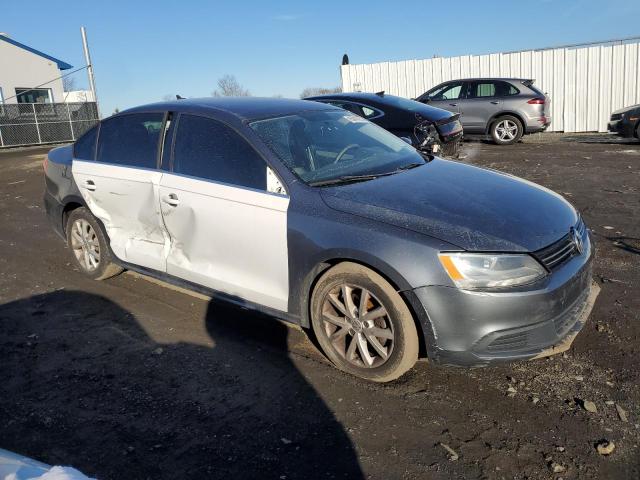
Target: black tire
401,337
506,122
638,131
81,223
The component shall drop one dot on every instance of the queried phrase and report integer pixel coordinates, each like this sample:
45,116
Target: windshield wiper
409,166
345,179
362,178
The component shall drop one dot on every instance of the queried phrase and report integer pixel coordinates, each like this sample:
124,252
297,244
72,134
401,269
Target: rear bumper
54,210
538,124
481,328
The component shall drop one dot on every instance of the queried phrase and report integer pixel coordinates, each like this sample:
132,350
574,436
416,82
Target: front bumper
621,127
481,328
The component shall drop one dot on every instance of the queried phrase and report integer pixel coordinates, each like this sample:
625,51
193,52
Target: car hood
473,208
627,109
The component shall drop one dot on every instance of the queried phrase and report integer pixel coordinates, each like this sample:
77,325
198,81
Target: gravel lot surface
128,378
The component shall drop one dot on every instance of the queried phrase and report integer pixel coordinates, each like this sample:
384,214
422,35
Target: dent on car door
120,187
227,231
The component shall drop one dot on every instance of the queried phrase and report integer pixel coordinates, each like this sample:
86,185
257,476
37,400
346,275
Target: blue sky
143,50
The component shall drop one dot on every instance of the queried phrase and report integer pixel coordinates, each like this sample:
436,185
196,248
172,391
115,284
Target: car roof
504,79
245,108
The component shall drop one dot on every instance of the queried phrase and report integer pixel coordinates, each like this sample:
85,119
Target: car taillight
536,101
46,161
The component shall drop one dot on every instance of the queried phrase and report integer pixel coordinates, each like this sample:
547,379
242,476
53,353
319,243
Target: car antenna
380,94
178,97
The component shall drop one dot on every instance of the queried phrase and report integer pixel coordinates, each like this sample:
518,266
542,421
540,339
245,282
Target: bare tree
69,84
228,86
313,91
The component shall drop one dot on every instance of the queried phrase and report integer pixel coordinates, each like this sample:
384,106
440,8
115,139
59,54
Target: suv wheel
88,244
362,324
506,130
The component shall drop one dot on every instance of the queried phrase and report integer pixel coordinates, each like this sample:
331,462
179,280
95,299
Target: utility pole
87,59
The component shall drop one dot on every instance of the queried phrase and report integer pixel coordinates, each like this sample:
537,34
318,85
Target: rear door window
130,140
85,146
492,88
208,149
482,89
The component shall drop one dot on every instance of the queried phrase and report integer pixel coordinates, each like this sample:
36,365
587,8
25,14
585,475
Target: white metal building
22,68
586,82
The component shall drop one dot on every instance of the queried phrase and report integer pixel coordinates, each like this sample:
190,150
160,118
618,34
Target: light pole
87,58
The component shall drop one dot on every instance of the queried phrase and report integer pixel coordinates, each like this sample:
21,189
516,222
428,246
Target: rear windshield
403,103
529,83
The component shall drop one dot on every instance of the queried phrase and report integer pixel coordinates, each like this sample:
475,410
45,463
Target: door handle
495,103
89,185
171,199
453,104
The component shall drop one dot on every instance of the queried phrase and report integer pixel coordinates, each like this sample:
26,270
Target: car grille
512,342
524,340
616,116
559,252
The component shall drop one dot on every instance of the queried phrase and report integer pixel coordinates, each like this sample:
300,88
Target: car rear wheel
362,324
506,130
89,246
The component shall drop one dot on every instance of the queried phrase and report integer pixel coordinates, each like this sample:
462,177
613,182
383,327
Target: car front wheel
506,130
88,243
362,324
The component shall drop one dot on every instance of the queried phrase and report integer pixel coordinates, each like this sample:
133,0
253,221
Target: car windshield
321,146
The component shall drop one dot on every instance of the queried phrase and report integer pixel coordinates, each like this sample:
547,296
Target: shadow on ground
236,407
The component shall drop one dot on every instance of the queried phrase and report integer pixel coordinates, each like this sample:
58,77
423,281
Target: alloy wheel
358,326
85,245
506,130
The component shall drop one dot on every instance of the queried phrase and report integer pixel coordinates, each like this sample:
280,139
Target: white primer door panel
125,199
230,239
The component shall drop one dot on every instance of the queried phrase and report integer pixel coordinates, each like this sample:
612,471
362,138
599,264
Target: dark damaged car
319,217
626,122
430,129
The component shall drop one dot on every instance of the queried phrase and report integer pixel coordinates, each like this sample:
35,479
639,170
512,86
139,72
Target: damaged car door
227,231
120,187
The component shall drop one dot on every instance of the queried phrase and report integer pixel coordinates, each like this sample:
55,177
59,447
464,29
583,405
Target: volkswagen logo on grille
577,240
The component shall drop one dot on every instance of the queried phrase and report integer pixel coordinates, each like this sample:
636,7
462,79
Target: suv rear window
529,84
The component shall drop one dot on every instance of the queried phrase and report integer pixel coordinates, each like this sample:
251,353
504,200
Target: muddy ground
129,379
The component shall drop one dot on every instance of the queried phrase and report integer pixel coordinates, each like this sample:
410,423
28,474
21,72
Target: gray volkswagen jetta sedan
319,217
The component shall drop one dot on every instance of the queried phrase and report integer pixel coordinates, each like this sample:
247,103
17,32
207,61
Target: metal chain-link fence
37,123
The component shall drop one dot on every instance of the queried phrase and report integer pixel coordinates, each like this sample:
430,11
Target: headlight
485,270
